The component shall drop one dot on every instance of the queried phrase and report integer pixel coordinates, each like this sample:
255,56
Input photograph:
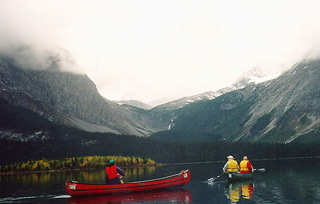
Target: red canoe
173,181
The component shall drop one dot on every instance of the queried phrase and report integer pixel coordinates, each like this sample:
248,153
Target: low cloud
130,49
29,35
37,57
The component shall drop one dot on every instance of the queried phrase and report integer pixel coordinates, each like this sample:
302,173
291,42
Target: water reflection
34,184
238,190
294,181
136,174
159,196
90,176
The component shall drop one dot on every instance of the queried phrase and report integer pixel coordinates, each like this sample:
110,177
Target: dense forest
75,143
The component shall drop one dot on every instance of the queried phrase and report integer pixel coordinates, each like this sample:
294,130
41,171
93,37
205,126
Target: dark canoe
173,181
236,176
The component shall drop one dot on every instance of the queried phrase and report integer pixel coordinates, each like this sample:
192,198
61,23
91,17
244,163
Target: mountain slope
282,110
289,105
71,99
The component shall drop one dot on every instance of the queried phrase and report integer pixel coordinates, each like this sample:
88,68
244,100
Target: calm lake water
285,181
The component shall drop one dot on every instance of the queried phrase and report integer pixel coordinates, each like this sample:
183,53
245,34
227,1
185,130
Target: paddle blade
260,170
215,178
210,179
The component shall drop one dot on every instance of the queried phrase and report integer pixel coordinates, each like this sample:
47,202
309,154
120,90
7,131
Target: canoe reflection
165,196
236,191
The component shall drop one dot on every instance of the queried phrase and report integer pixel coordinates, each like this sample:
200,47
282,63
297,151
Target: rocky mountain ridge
71,99
283,110
252,77
134,103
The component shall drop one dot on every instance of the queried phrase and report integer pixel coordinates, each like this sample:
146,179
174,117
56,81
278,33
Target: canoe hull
177,180
235,177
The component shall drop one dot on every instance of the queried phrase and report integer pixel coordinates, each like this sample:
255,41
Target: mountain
285,109
134,103
38,97
251,77
70,99
161,101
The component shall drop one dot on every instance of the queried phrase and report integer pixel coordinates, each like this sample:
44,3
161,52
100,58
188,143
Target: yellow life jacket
246,191
232,166
234,195
243,165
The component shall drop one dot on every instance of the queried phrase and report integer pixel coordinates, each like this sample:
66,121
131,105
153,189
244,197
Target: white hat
230,157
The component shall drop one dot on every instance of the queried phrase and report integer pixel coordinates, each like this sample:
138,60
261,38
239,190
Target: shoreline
139,166
70,169
265,159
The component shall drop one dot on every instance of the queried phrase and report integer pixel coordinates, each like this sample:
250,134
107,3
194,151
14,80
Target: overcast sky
152,49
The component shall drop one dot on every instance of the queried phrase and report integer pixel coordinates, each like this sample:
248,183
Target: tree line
76,163
65,142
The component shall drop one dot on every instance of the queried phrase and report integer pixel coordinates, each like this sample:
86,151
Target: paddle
259,170
215,178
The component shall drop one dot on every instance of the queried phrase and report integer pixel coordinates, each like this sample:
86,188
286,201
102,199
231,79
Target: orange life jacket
112,172
232,166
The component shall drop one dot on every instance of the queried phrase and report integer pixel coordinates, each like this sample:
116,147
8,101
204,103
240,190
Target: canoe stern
234,177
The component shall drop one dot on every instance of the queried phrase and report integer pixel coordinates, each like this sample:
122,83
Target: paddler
245,166
231,165
113,173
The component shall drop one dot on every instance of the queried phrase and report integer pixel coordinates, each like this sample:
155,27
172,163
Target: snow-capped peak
255,75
